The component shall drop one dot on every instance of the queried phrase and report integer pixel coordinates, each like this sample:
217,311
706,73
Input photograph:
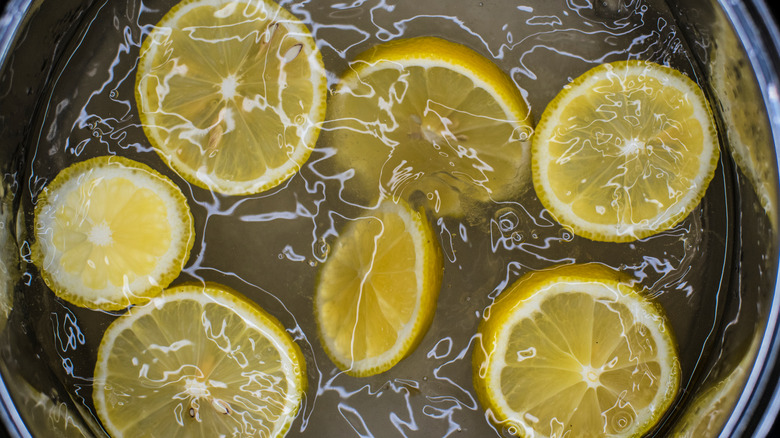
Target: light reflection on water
270,246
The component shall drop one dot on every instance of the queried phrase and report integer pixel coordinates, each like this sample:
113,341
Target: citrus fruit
231,93
745,122
9,272
430,116
45,415
575,351
716,398
376,293
198,361
625,151
111,232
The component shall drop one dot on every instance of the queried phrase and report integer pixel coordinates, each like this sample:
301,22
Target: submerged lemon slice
111,232
231,93
430,116
575,351
45,415
198,361
377,292
625,151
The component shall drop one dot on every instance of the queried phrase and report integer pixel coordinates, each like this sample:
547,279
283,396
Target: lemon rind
669,218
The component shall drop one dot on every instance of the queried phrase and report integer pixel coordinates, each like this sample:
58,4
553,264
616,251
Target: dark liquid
270,246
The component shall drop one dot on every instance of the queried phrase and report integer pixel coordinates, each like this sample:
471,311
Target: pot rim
759,404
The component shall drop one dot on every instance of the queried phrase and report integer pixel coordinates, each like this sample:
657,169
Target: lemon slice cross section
376,294
625,151
575,351
231,93
431,116
198,361
111,232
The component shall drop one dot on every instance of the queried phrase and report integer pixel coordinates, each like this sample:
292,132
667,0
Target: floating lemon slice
231,93
111,232
625,151
430,116
198,361
575,351
376,294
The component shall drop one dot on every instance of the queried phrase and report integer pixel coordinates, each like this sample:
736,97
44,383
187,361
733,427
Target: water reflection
271,246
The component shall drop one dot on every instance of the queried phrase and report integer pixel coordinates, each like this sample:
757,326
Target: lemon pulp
625,151
430,116
198,361
575,351
111,232
231,93
376,294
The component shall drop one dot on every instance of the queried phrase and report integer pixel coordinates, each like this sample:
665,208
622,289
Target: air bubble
321,249
507,219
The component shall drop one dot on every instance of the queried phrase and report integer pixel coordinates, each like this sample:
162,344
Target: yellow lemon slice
376,293
430,116
625,151
198,361
111,232
575,351
231,93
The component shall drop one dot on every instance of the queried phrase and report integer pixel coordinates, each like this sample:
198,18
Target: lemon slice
198,361
575,351
430,116
625,151
376,293
9,272
111,232
231,93
45,416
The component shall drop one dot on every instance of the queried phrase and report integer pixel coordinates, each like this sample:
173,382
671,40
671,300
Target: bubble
321,249
507,219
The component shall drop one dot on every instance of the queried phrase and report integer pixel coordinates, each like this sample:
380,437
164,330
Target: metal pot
735,388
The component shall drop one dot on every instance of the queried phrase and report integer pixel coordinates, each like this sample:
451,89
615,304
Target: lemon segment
376,294
198,361
231,93
625,151
111,232
431,116
575,351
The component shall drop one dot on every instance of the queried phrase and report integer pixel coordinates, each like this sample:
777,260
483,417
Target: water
270,246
